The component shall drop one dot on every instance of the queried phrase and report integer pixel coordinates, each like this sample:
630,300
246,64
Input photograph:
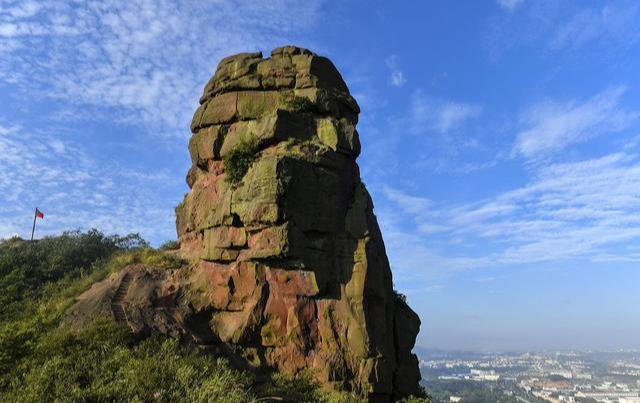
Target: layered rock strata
290,261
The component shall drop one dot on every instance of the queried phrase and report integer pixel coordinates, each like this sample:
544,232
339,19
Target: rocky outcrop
290,260
287,262
141,297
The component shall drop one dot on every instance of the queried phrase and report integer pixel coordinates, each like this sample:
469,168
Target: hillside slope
40,360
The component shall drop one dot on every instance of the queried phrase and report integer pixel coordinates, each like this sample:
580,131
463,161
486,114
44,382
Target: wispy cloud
608,29
615,22
509,4
583,210
552,126
147,59
104,70
397,77
438,114
415,257
408,203
77,192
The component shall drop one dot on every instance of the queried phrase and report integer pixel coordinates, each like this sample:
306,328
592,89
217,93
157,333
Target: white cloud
23,9
587,209
75,191
142,63
57,146
397,78
451,114
509,4
552,126
608,30
415,257
441,115
613,23
408,203
146,60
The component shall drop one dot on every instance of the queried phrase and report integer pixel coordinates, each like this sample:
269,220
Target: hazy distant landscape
563,376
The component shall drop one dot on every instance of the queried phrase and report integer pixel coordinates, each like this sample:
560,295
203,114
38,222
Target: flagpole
33,229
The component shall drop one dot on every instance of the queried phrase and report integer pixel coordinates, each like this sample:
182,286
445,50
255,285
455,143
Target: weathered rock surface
146,296
289,263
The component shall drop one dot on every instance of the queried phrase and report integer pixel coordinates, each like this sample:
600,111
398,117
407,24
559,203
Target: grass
40,360
170,245
105,363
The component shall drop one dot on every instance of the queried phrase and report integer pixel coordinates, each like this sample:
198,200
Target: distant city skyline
500,142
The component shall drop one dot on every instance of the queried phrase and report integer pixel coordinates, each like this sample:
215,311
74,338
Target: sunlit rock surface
287,265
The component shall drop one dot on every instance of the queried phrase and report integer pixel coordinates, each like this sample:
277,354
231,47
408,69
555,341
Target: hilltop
43,360
278,287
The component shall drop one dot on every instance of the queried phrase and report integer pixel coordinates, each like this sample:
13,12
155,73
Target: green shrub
29,269
105,363
146,256
303,389
423,397
238,161
170,245
300,104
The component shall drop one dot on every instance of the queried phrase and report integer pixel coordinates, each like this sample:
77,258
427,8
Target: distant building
564,374
484,375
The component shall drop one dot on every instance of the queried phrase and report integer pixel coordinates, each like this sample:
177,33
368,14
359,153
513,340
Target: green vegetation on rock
238,160
300,104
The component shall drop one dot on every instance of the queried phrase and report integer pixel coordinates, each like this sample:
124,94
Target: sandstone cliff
287,263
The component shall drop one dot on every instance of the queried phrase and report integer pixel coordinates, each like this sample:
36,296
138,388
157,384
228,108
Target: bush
104,363
423,397
170,245
238,161
303,390
29,269
146,256
39,280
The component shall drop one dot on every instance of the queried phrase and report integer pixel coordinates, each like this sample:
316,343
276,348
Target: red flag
39,214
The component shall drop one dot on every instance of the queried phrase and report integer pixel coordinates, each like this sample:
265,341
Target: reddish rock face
287,262
290,260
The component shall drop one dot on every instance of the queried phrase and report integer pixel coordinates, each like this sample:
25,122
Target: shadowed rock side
290,261
287,264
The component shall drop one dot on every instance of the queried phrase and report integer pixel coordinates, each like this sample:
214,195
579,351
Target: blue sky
501,142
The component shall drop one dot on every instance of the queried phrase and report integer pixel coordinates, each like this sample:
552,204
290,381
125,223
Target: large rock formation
290,259
287,264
